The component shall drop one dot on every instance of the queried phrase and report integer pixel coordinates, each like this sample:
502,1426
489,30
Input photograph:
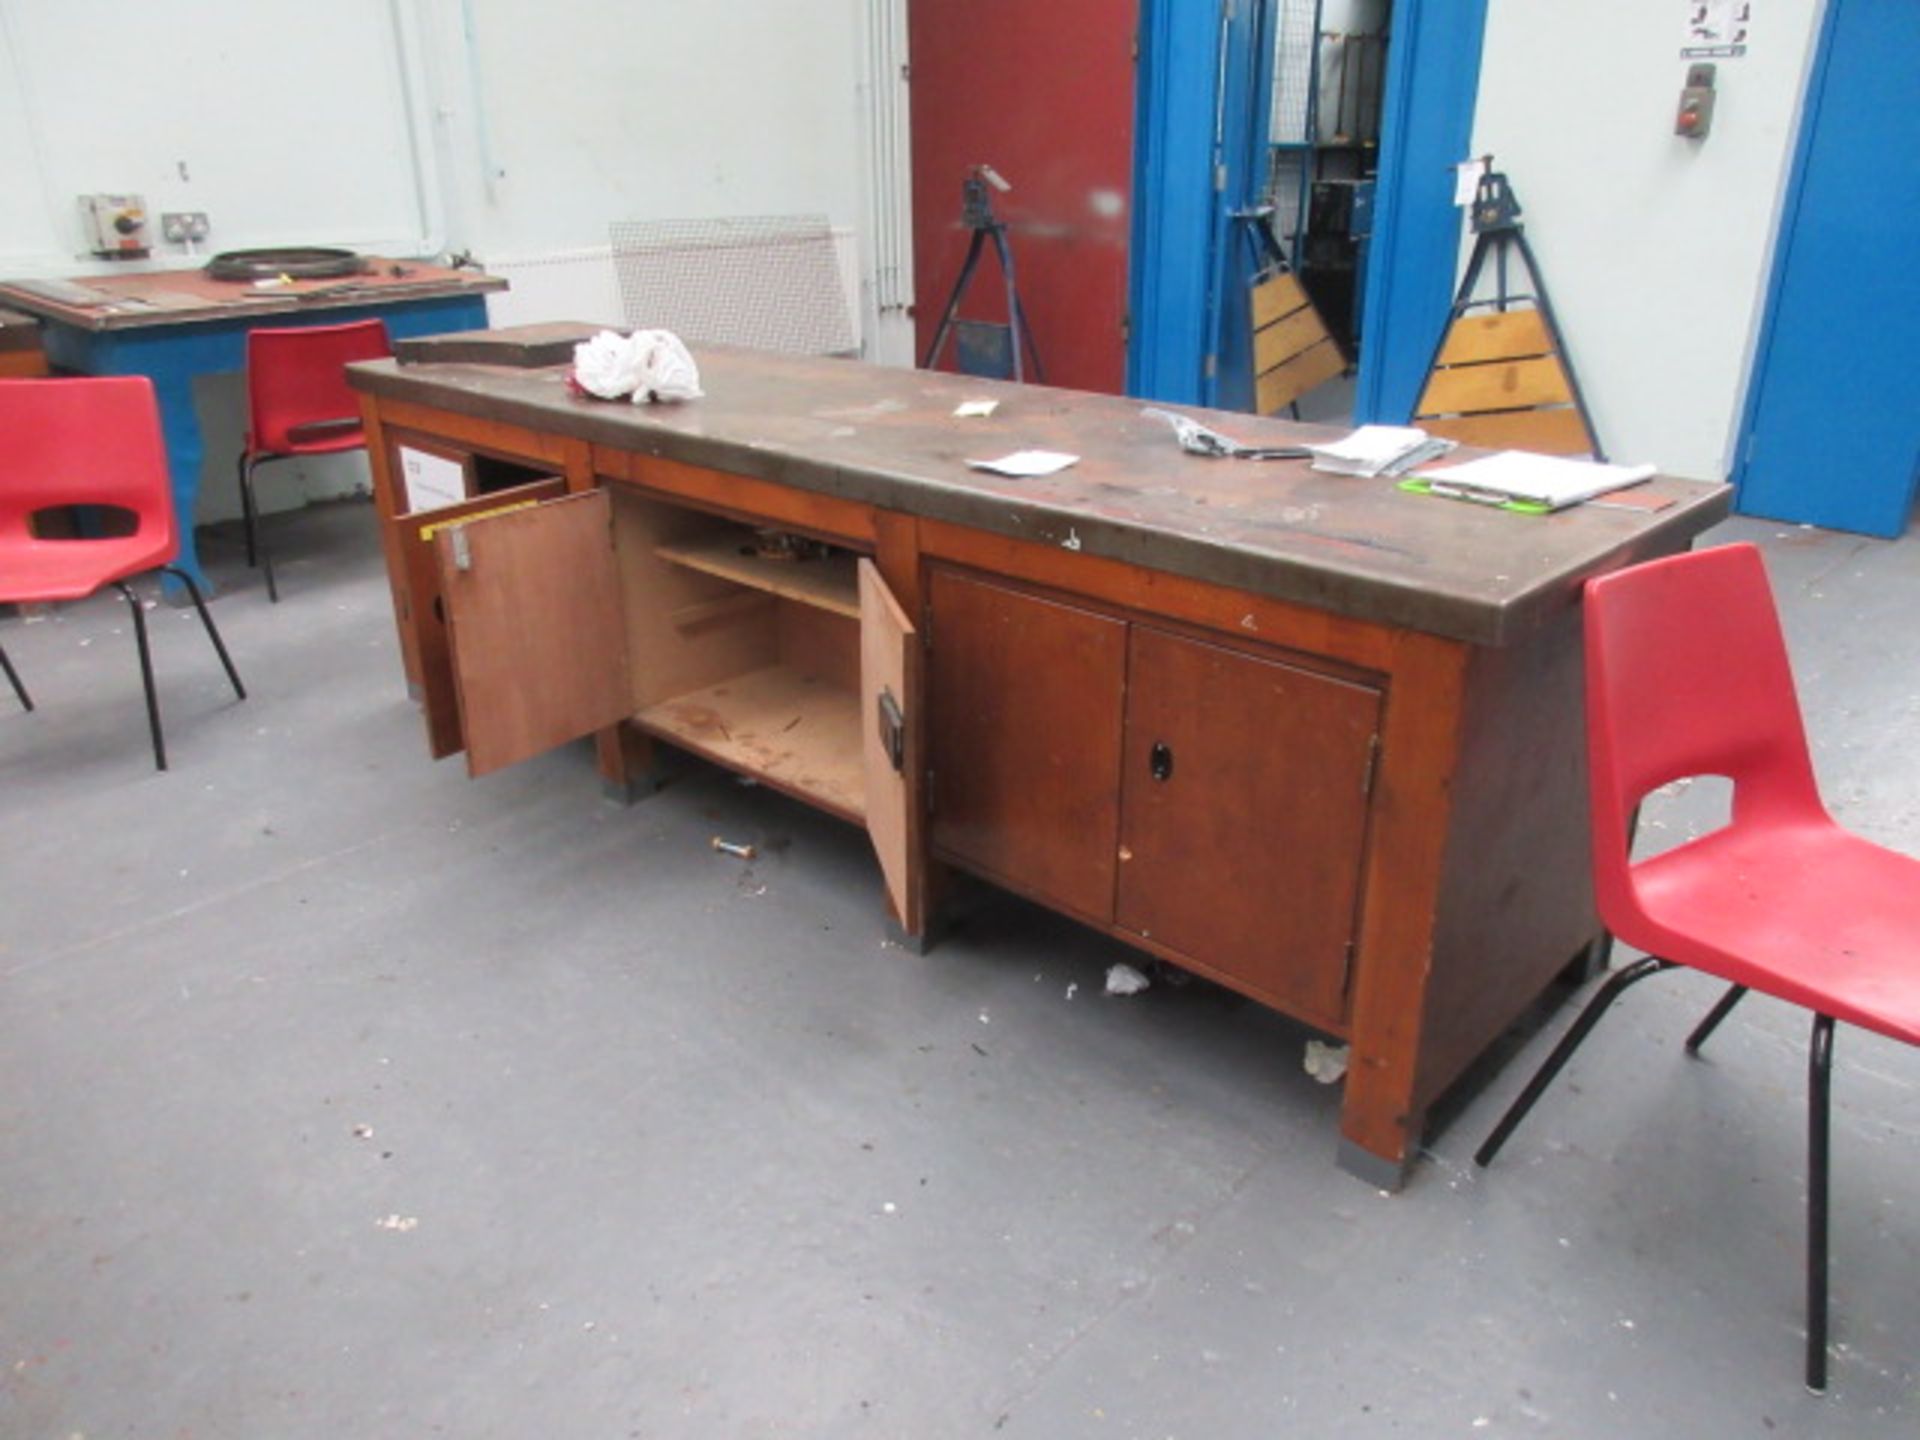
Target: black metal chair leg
146,673
266,568
257,552
219,646
1563,1052
246,504
1714,1016
1819,1134
26,700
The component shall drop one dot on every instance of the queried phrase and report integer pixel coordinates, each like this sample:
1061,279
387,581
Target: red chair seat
48,570
1810,914
317,439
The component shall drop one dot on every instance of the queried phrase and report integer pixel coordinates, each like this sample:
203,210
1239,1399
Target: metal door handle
893,730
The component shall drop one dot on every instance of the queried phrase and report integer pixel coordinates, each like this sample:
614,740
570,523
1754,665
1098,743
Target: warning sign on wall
1716,29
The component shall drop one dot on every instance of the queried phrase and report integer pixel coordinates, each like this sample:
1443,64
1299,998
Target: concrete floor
343,1096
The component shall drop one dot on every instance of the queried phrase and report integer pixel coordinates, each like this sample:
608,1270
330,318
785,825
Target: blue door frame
1426,128
1830,432
1190,259
1206,69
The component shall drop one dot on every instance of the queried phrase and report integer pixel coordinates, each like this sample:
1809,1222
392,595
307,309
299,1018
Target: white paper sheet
431,480
1027,464
1466,179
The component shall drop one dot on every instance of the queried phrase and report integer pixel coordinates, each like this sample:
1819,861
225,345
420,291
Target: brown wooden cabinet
1207,802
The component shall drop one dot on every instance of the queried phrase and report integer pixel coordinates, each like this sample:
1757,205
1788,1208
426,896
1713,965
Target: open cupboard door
534,627
890,746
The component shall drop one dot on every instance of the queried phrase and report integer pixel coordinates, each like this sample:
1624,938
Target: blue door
1831,434
1199,148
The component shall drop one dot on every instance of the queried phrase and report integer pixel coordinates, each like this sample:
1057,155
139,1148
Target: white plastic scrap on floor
1125,980
401,1223
1325,1061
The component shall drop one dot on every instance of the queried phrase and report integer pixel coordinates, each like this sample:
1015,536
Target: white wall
1655,248
284,132
512,131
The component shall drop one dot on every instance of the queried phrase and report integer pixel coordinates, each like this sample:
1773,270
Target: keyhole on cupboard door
1160,761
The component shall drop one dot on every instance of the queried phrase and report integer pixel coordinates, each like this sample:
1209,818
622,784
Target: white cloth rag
645,366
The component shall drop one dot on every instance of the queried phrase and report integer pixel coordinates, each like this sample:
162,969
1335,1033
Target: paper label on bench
431,480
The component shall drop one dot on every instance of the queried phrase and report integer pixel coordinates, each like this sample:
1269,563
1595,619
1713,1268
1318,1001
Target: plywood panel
1280,387
1262,768
1279,342
1276,296
1509,385
537,663
685,629
1501,335
791,729
890,672
821,642
1549,432
826,581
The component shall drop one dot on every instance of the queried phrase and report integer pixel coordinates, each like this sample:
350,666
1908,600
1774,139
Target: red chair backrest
297,377
92,441
1687,674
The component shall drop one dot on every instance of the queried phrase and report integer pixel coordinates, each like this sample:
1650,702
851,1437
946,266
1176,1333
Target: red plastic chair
1687,674
298,403
93,442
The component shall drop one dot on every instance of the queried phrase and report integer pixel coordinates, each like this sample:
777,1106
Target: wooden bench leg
629,764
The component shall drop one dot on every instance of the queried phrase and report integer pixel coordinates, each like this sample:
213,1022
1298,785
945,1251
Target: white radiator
583,285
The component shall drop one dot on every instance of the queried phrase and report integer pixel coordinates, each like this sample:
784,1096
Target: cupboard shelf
827,583
790,728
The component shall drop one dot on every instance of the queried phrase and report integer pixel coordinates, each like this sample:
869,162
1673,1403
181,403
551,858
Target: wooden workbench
1311,736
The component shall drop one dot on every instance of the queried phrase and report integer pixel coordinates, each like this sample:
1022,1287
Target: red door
1043,92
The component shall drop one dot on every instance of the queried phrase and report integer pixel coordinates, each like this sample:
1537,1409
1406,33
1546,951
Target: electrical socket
177,227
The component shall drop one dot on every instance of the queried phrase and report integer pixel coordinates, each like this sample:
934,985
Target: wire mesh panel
768,282
1292,120
1295,33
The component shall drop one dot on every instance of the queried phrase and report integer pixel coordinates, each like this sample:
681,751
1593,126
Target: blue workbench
171,345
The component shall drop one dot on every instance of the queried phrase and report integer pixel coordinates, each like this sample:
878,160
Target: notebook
1548,481
1390,450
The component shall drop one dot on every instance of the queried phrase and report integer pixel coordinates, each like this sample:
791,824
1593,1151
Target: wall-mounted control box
115,225
1695,116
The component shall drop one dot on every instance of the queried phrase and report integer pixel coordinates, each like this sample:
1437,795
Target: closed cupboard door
535,627
1024,715
1244,801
